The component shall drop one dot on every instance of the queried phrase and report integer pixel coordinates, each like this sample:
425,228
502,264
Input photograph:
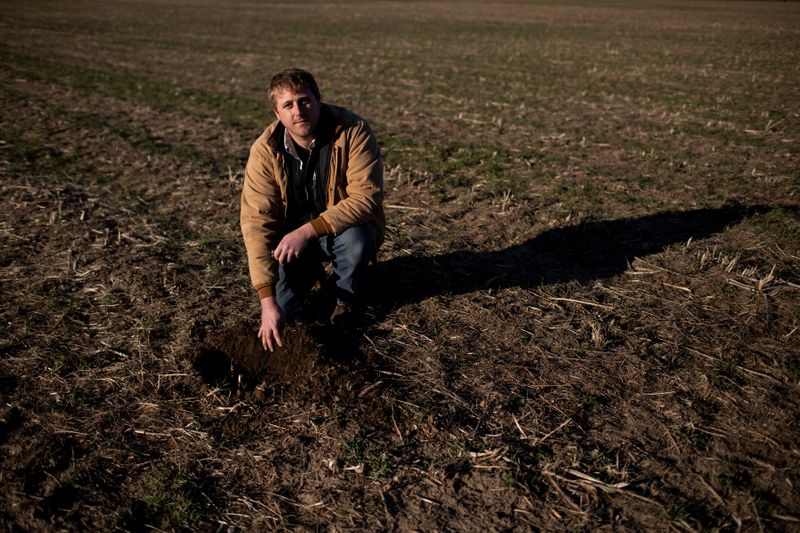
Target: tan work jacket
354,193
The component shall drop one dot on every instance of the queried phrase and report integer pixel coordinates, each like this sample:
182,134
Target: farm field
586,313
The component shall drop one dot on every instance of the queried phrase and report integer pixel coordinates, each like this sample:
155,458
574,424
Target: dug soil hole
316,361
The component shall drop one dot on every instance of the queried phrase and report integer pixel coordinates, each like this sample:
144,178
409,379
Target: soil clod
235,358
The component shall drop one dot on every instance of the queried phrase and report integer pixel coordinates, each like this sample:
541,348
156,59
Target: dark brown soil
585,316
313,362
238,355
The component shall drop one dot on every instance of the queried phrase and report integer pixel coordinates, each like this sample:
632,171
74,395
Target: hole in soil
314,359
214,367
317,363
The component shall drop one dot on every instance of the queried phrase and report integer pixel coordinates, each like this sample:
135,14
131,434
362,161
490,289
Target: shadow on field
321,358
582,253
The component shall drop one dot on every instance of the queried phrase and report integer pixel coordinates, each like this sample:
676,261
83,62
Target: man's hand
293,243
271,323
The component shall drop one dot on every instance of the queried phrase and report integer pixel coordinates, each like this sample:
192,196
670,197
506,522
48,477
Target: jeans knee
355,246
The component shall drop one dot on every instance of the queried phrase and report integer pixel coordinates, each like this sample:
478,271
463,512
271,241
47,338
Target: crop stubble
585,313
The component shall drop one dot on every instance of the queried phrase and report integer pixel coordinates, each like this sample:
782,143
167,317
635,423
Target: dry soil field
585,315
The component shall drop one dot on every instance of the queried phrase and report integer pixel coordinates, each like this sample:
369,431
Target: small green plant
376,459
699,439
168,501
726,375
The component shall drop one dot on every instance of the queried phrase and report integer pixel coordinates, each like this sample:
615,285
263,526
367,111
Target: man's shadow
584,252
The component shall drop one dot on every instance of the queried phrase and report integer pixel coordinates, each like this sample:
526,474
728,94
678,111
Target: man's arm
261,218
261,222
364,174
272,319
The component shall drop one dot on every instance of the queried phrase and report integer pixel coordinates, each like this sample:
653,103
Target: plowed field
585,315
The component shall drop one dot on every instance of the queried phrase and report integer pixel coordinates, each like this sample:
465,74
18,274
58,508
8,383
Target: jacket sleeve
364,184
261,217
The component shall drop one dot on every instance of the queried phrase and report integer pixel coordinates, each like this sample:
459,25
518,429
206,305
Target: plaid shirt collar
288,144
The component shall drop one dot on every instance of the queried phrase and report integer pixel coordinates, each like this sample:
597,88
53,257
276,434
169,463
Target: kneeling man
313,191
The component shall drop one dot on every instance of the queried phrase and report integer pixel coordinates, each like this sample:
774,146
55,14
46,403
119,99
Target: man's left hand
293,243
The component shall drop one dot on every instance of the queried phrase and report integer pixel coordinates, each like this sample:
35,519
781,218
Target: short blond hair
293,79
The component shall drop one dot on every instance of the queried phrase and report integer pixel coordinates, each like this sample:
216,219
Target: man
313,191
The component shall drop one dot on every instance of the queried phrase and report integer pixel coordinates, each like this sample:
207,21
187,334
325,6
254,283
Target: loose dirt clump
236,359
314,360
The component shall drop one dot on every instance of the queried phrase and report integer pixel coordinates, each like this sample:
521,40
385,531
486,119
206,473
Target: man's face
299,114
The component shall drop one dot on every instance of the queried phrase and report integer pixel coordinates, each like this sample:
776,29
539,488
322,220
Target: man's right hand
293,243
271,323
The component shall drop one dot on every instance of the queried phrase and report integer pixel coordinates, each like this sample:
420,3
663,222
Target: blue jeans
349,253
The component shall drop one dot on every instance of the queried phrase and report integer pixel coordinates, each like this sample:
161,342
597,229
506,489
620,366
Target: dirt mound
313,359
236,359
316,363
